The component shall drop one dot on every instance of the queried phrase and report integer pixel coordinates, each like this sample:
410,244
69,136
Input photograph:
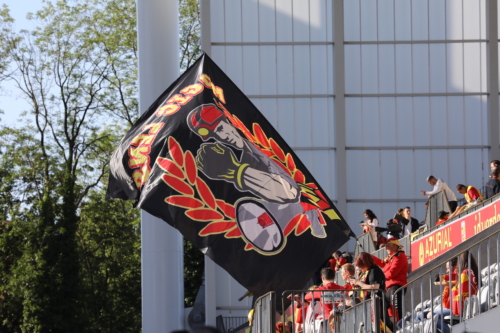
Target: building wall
373,95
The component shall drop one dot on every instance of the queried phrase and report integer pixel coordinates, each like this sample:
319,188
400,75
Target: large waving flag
206,161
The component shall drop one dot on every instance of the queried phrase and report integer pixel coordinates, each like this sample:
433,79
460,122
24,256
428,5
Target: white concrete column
161,245
493,103
210,266
210,292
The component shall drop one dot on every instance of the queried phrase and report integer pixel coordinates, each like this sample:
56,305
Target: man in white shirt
440,185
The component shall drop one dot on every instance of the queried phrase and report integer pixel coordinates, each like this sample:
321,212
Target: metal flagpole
161,245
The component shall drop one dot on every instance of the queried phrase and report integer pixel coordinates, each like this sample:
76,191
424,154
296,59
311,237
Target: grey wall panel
403,68
369,69
320,69
385,21
370,119
454,53
352,25
421,131
368,20
286,120
303,126
217,21
355,174
219,56
232,19
320,18
269,109
404,121
437,22
355,215
404,179
439,120
302,20
420,60
474,67
422,162
353,115
472,17
389,161
323,130
267,70
420,20
455,121
249,16
267,21
475,114
285,69
454,19
251,77
386,69
301,69
353,69
456,170
476,171
284,22
437,67
387,111
233,64
371,174
402,13
439,166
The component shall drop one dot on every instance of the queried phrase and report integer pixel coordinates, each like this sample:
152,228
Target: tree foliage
69,259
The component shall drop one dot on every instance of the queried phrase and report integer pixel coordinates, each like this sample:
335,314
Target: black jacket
491,188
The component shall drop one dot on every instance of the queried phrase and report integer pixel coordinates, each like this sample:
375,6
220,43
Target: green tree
70,261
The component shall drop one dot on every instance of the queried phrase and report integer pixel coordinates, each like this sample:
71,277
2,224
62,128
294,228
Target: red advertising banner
431,246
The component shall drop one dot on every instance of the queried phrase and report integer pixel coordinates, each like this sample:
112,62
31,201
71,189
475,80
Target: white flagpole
161,245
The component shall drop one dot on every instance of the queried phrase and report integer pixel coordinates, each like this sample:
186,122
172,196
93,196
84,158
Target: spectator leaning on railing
440,185
470,193
395,268
328,277
443,217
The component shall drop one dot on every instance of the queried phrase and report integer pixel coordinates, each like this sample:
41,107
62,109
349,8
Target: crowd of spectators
367,276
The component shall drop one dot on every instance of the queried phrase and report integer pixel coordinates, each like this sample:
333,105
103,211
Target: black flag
206,161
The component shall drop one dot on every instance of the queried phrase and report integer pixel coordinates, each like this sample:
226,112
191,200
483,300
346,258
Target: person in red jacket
327,276
395,268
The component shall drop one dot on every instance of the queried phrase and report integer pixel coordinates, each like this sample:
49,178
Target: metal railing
339,310
478,291
435,204
231,324
364,243
264,314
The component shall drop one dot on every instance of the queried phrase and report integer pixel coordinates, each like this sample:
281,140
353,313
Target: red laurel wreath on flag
181,174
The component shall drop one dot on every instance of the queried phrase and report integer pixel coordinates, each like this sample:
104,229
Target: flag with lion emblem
206,161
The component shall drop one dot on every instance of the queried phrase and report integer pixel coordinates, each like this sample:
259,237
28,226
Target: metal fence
435,204
364,243
264,314
429,303
231,324
339,310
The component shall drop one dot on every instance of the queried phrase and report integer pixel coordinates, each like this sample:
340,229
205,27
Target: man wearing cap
395,268
261,219
443,217
440,185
